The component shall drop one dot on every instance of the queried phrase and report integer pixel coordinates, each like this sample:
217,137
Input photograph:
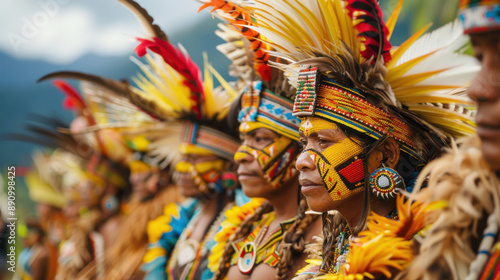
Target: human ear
391,152
386,152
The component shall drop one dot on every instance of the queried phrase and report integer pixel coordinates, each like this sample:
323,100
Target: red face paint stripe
354,172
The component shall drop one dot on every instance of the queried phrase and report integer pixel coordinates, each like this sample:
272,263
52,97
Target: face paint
204,173
277,160
340,165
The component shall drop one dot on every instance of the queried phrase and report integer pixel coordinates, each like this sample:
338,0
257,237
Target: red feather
73,99
181,63
371,30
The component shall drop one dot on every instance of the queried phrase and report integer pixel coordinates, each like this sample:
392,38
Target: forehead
254,127
485,37
310,125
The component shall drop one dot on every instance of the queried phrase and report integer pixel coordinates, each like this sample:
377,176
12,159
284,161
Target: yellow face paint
203,172
340,165
138,166
190,149
277,160
312,125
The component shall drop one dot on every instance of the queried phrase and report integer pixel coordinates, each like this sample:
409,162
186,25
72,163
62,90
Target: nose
304,162
243,155
486,86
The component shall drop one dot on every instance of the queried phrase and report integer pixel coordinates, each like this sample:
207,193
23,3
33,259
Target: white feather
449,36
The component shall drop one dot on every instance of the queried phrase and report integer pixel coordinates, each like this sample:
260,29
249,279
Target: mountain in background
22,99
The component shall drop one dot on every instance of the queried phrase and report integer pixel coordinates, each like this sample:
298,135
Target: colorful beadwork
269,109
480,16
385,182
340,165
305,99
348,106
267,249
209,139
276,159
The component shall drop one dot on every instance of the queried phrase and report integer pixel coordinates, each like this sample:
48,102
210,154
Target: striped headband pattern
267,108
220,144
480,15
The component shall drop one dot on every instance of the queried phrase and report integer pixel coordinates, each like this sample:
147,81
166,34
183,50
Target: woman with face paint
268,242
369,122
171,91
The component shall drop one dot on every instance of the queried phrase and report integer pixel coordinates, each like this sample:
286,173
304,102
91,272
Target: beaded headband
480,15
220,144
326,98
269,109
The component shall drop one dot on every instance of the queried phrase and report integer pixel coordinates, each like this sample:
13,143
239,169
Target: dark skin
252,180
41,257
314,189
188,188
485,91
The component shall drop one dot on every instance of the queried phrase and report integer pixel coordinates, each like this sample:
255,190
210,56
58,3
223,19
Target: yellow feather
415,78
209,104
405,91
397,53
227,87
391,22
400,70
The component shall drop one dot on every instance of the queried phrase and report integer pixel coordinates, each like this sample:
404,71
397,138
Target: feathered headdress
42,184
266,99
354,75
115,121
171,88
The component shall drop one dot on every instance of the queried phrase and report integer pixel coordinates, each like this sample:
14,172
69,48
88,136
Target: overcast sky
61,31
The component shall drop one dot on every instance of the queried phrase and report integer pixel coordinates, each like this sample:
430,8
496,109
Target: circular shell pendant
246,257
385,182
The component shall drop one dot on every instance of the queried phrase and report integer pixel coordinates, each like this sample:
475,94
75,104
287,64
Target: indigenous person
462,241
368,122
149,163
45,190
171,90
34,259
87,177
269,242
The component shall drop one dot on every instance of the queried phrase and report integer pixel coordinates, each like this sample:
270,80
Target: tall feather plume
241,19
170,86
164,144
323,33
237,49
146,20
371,29
181,63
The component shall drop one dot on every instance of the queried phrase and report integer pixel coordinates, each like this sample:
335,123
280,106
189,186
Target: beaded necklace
343,243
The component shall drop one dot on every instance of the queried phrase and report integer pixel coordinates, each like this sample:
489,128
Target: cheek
319,200
491,152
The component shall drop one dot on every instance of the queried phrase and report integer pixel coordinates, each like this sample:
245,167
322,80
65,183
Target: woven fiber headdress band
480,15
209,139
326,98
267,108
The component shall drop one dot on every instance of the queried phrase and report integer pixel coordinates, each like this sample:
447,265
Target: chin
189,191
318,205
251,190
491,154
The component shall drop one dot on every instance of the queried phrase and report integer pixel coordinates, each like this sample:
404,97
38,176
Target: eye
303,144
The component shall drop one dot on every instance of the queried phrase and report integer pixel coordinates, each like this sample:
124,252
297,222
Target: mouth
308,186
243,175
488,130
